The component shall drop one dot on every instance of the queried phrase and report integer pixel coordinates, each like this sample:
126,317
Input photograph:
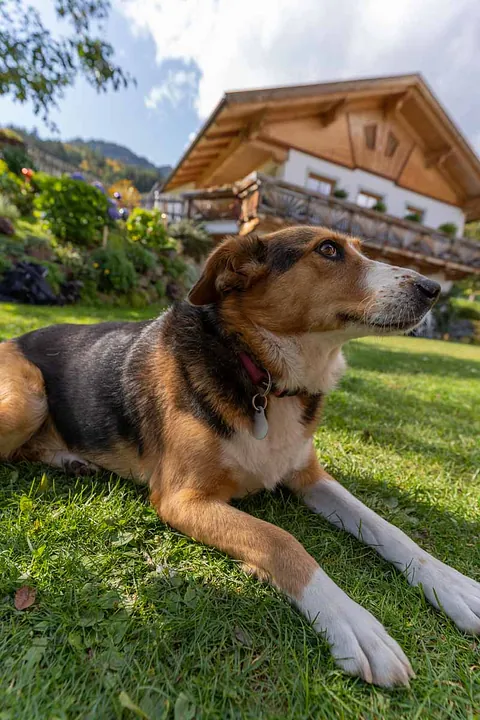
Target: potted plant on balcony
380,206
449,229
413,217
340,193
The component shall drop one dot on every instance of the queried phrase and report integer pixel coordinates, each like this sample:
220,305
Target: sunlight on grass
126,604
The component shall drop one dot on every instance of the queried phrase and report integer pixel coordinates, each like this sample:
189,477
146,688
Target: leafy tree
131,198
37,67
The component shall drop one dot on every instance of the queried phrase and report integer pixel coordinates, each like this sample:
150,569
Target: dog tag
260,424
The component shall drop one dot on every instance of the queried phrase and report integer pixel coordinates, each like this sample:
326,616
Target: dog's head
309,279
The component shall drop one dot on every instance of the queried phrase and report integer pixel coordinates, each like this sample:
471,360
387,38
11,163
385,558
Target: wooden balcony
268,204
200,205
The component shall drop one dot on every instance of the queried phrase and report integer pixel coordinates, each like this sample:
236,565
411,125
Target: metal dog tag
260,424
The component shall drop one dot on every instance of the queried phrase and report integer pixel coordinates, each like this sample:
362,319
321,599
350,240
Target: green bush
380,207
449,229
114,271
142,259
9,183
196,241
466,309
20,192
340,193
147,227
8,209
413,217
17,158
71,209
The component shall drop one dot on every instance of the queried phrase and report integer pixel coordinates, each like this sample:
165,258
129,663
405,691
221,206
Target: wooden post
105,236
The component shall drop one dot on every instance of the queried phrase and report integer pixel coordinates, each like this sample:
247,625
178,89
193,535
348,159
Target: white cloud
259,43
191,137
178,85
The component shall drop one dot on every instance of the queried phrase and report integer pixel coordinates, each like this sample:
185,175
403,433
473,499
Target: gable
393,127
307,135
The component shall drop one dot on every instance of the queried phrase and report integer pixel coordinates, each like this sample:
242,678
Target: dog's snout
429,288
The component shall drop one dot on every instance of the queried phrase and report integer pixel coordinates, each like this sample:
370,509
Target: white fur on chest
264,463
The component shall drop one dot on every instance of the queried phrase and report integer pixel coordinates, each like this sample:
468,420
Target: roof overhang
219,151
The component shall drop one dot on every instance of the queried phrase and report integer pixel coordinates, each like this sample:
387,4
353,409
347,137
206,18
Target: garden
64,240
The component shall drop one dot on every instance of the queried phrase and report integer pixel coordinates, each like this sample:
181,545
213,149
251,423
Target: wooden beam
250,132
394,104
471,207
221,158
255,125
436,158
327,117
279,154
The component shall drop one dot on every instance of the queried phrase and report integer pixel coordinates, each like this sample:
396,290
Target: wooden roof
251,127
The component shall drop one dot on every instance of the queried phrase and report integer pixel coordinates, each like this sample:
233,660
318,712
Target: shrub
380,207
467,309
114,271
142,259
147,228
340,193
449,229
72,209
8,209
196,241
17,158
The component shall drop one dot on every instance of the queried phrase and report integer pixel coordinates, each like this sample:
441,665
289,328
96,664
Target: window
320,184
392,144
368,200
370,136
414,213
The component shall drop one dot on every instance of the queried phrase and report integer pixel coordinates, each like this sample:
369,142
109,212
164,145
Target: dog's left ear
235,265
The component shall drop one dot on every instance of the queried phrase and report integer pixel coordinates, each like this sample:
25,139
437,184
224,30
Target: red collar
258,375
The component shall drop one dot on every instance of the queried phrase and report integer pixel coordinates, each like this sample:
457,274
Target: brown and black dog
220,397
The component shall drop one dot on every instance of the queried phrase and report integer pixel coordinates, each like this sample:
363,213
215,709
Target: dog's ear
236,264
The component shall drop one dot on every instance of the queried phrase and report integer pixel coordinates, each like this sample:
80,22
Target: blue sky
186,53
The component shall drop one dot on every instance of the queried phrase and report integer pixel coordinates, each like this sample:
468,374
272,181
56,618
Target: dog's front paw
448,590
359,643
361,646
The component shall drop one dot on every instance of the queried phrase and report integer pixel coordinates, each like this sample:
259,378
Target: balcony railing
267,200
200,205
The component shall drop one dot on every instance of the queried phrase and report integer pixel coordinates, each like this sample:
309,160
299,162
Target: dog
219,397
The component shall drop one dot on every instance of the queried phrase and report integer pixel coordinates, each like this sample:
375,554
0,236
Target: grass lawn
130,611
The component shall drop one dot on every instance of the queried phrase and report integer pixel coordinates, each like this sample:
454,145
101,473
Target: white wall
299,165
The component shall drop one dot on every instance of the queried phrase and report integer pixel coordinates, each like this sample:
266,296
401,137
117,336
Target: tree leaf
25,597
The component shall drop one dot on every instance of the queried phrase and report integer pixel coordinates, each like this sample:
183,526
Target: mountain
99,159
115,152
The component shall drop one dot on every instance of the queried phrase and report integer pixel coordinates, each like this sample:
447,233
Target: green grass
128,605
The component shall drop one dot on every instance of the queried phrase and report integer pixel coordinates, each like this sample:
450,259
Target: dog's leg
23,403
445,588
359,643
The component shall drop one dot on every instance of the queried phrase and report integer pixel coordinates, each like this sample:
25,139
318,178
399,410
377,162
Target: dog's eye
329,249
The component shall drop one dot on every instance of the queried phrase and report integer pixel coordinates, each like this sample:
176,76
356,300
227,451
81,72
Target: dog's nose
429,288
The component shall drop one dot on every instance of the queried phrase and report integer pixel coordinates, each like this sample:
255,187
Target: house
377,157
